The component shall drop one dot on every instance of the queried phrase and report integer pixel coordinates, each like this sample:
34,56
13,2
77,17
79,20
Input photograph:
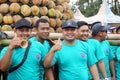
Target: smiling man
73,57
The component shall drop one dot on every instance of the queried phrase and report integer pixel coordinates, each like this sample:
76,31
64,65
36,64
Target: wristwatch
106,79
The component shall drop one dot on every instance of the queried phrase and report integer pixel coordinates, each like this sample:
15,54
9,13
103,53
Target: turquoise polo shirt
30,70
73,61
95,46
109,55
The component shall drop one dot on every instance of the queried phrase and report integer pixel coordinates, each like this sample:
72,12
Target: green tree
91,7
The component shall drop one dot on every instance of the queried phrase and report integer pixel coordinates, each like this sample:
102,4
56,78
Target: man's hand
15,42
57,45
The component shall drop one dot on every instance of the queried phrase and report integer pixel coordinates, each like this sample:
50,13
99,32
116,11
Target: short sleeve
3,51
118,53
99,52
91,57
111,53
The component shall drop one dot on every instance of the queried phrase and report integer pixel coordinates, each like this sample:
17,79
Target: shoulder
32,38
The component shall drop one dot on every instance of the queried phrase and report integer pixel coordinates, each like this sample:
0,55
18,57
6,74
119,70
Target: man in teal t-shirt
99,32
73,58
83,34
42,36
13,54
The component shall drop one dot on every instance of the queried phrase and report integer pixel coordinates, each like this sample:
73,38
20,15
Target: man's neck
70,42
97,38
40,40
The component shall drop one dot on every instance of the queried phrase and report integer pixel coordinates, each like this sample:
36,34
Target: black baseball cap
69,23
23,23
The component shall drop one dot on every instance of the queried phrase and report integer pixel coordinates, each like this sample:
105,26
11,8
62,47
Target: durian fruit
35,10
52,30
59,30
4,8
2,1
59,2
34,19
45,17
13,1
60,8
52,22
1,18
6,28
52,13
51,4
67,1
64,16
16,18
45,2
43,11
25,10
65,6
29,19
8,19
58,14
58,22
14,8
25,1
36,2
69,14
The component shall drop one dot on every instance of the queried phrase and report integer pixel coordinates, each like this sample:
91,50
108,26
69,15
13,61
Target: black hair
117,28
41,21
81,23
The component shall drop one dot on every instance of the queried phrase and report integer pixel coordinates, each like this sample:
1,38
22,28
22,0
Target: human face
23,32
69,34
118,31
43,30
103,34
83,32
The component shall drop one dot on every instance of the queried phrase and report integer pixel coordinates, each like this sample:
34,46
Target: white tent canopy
79,16
104,15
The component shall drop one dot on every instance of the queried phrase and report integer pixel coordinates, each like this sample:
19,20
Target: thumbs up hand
15,42
57,45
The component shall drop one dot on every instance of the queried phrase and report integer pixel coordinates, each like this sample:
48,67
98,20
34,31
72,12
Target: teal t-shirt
97,49
108,56
117,64
95,46
45,43
30,70
73,61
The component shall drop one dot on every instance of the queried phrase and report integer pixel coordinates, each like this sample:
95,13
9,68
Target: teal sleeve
99,52
111,53
118,53
3,51
91,57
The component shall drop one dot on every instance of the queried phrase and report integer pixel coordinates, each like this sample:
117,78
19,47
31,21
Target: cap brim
69,27
24,26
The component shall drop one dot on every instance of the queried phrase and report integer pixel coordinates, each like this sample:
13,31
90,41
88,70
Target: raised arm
50,55
6,59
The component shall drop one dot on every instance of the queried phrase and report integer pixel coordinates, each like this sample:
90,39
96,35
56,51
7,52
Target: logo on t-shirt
107,51
82,54
37,56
